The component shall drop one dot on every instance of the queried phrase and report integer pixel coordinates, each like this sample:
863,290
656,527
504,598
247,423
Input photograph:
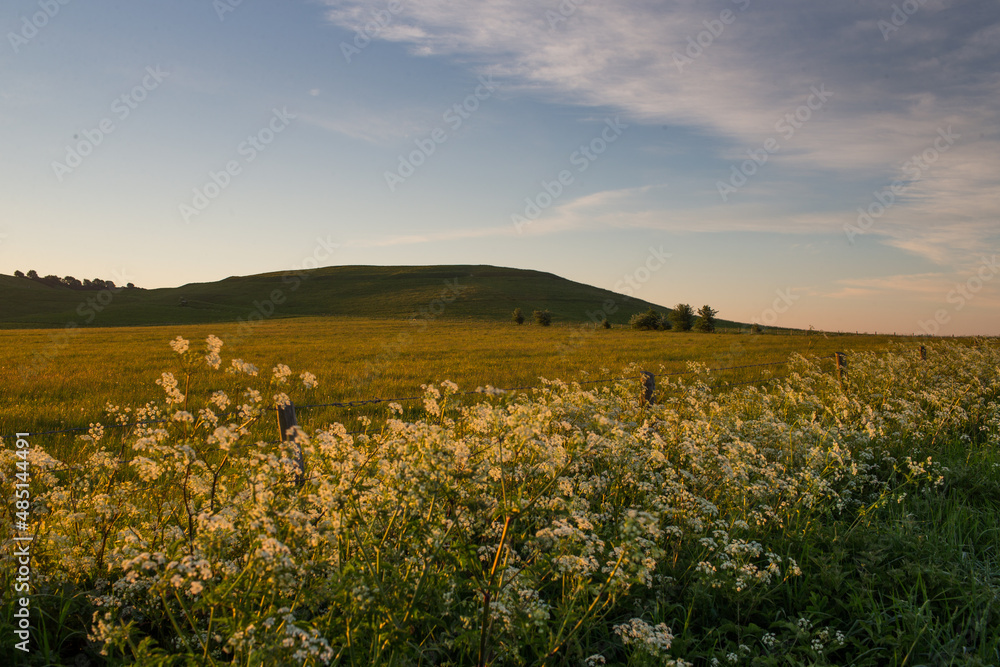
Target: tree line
682,317
70,282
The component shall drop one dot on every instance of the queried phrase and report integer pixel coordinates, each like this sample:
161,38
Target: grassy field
54,379
396,292
809,521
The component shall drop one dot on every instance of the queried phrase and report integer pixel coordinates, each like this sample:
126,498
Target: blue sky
175,144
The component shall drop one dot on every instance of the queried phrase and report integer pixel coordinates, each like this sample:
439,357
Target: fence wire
403,399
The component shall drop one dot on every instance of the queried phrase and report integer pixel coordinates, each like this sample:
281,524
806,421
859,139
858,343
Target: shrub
605,324
518,316
682,317
648,321
706,319
543,317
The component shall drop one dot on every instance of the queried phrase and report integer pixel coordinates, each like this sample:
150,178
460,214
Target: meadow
53,379
757,516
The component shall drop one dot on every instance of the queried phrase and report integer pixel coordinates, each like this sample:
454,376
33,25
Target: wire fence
356,403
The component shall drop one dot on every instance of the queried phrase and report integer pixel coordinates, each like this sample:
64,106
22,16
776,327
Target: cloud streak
890,96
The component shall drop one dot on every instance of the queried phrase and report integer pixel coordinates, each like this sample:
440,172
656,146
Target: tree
755,328
606,324
518,316
682,317
72,283
648,321
18,274
33,274
543,317
706,319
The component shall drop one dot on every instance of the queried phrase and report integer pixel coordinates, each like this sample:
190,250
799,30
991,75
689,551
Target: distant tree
109,284
755,328
518,316
648,321
72,283
706,319
97,283
543,317
130,286
18,274
606,324
88,283
682,317
51,280
32,274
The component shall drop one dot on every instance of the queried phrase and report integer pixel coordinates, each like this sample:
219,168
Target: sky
833,165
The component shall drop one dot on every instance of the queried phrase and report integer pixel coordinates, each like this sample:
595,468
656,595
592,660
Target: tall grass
806,521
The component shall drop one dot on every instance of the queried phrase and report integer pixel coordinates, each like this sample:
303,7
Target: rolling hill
395,292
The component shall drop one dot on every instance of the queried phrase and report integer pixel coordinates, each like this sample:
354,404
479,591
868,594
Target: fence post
923,353
286,420
841,366
648,387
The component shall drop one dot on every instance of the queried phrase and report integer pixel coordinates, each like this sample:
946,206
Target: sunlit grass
358,358
811,520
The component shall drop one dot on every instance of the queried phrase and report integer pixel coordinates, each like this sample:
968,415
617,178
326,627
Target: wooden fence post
841,366
287,420
648,387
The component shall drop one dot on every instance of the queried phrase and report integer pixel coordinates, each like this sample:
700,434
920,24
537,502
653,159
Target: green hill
459,291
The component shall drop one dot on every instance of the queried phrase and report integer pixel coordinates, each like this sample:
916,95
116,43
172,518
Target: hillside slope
463,291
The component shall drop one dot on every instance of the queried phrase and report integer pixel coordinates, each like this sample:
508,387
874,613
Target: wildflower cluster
502,531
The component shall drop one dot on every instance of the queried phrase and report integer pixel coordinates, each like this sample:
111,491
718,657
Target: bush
543,317
706,319
755,328
518,316
682,317
606,324
648,321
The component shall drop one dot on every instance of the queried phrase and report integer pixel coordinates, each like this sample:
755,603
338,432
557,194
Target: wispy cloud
890,96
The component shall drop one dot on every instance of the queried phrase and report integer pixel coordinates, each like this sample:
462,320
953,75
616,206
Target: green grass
57,379
460,291
391,538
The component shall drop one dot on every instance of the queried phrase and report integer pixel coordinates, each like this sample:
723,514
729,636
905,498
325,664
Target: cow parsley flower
179,345
281,373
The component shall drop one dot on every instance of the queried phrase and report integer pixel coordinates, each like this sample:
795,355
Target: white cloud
890,96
